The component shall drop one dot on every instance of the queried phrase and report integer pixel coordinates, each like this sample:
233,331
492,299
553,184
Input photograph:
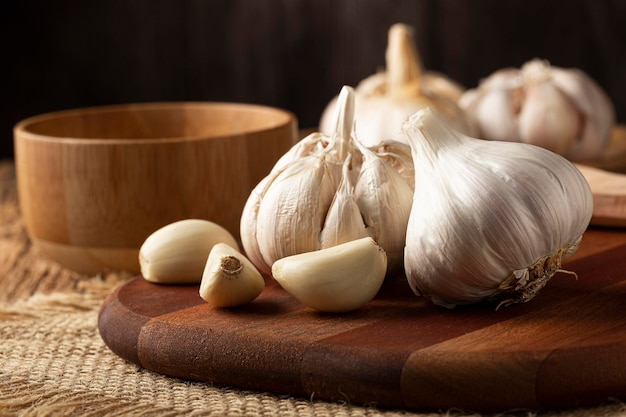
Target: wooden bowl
94,183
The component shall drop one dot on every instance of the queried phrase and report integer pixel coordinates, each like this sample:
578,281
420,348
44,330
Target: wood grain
565,347
609,196
95,183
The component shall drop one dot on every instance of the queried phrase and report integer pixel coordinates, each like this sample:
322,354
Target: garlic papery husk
490,220
329,190
561,109
386,99
381,192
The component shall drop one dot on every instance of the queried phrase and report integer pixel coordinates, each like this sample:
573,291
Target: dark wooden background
294,54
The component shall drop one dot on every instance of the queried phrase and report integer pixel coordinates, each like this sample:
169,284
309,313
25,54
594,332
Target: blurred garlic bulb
562,110
494,220
330,190
386,99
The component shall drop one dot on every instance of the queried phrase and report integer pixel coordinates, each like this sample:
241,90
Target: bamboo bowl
94,183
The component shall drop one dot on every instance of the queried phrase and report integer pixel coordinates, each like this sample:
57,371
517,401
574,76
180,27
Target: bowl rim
20,129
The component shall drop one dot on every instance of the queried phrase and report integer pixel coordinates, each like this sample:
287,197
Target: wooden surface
566,347
609,196
95,183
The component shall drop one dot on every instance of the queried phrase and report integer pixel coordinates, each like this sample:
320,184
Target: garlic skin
338,279
560,109
493,221
384,100
177,253
229,278
329,190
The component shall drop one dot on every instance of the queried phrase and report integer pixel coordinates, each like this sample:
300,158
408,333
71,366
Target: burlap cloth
54,363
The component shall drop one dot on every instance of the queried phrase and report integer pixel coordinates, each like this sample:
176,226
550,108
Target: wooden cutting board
609,196
566,347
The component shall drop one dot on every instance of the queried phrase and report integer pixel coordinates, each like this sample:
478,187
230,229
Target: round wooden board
566,347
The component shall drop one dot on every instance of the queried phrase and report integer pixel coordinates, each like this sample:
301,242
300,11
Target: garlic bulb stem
384,100
404,66
344,126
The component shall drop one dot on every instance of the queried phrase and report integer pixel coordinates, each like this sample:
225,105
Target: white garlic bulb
329,190
490,220
562,110
386,99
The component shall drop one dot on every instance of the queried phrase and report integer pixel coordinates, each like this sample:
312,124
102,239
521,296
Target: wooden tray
566,347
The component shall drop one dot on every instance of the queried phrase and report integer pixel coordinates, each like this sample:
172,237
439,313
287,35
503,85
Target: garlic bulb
562,110
493,220
337,279
229,278
330,190
386,99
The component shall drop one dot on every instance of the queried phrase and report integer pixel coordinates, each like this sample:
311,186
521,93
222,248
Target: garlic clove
338,279
177,252
229,278
385,200
308,146
495,104
490,228
248,225
398,156
343,221
595,104
548,119
295,204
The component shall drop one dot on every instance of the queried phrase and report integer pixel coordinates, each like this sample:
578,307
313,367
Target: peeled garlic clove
490,228
229,278
337,279
177,252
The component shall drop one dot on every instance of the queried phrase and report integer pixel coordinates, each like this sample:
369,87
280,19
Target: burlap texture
54,363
